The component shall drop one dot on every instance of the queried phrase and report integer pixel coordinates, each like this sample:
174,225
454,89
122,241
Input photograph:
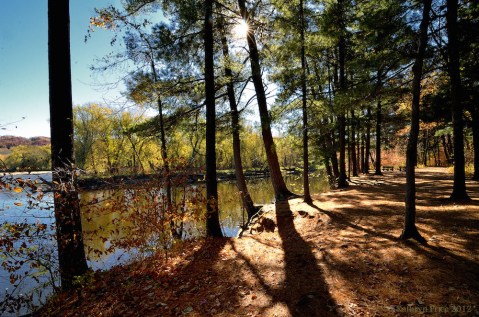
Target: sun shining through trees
240,30
207,170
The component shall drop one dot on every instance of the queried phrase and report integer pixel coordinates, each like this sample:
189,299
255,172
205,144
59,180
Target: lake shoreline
338,256
106,201
88,182
116,181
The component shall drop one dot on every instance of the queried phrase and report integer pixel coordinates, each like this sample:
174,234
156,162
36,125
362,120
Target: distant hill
9,141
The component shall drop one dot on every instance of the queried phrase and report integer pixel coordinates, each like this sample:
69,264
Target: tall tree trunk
348,130
459,188
437,159
307,195
329,170
450,147
358,149
475,138
334,157
342,181
426,149
438,153
378,130
71,253
335,164
240,178
362,153
213,227
136,155
368,141
279,186
410,230
446,149
353,144
164,153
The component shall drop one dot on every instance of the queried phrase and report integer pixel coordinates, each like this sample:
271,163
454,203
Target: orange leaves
41,227
104,20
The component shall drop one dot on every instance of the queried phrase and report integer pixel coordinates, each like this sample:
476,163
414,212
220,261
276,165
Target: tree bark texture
459,188
334,156
475,138
353,144
358,149
240,178
71,253
362,153
410,230
213,227
342,181
279,186
378,138
307,195
164,153
368,141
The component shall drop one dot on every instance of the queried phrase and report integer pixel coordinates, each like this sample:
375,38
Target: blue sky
24,63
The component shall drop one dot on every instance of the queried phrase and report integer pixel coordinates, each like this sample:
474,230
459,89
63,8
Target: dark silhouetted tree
240,177
304,99
71,253
459,188
279,186
410,230
213,227
342,180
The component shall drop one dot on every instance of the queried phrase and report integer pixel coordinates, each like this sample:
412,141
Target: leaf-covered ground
338,257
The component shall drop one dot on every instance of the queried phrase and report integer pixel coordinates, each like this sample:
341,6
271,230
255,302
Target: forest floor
337,257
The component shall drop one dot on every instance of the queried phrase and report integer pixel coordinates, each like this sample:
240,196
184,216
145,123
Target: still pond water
104,228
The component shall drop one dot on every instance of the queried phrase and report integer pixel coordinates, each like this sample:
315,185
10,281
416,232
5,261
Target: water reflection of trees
135,217
124,223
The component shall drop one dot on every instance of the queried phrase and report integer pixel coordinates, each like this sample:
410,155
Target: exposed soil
337,257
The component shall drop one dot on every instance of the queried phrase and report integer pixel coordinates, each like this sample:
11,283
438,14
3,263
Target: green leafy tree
29,158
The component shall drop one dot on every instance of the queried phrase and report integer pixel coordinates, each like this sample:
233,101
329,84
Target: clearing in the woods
340,256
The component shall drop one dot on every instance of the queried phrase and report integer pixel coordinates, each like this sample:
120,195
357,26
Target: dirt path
338,257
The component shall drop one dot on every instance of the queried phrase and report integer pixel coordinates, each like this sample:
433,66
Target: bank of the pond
93,182
105,215
337,257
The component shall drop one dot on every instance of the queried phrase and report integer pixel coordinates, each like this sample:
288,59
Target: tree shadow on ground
342,257
370,217
385,202
157,288
431,251
301,285
304,290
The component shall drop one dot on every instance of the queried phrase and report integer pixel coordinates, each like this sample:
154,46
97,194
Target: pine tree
410,230
235,125
279,186
459,188
304,97
213,227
